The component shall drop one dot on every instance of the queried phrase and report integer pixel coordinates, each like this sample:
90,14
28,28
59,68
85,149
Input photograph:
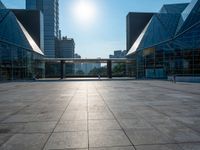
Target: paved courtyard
99,115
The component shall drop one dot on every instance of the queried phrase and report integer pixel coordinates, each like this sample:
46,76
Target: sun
84,11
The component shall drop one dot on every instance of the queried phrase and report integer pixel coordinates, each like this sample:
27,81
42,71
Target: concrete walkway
99,115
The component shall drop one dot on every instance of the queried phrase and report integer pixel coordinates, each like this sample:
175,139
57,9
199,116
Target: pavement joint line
14,113
115,118
28,105
188,126
182,123
172,89
59,119
46,132
101,119
176,143
70,149
119,146
88,120
5,123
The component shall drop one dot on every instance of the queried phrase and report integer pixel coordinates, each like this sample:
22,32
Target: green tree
119,69
98,71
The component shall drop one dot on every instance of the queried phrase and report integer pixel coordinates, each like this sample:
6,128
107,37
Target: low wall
185,78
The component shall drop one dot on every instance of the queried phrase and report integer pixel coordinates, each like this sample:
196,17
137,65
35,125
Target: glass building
170,43
50,10
20,57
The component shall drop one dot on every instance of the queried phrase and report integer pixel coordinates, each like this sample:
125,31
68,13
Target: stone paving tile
181,134
103,125
11,128
154,114
49,105
74,115
77,107
3,116
190,146
160,147
25,142
95,108
70,149
4,138
53,116
66,140
147,136
33,117
64,126
126,114
39,111
20,118
100,116
38,127
135,124
165,122
109,138
192,122
114,148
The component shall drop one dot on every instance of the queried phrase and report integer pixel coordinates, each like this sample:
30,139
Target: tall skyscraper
50,10
65,48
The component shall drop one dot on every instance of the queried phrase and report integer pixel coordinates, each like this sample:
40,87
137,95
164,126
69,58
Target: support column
109,68
62,69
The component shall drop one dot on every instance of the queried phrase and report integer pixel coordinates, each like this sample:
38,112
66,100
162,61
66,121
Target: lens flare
84,11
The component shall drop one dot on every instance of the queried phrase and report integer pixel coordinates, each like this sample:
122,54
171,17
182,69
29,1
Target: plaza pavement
99,115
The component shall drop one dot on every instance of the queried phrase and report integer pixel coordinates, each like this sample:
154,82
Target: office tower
65,48
34,4
1,5
118,54
50,10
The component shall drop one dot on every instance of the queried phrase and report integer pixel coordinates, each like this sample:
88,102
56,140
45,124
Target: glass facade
163,51
17,63
50,10
20,57
50,26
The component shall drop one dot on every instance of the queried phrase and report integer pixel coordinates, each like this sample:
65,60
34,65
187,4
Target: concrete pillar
109,68
62,69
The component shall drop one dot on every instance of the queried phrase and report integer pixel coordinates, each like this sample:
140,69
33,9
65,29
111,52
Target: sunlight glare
84,11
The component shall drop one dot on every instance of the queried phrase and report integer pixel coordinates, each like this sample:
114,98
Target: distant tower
50,10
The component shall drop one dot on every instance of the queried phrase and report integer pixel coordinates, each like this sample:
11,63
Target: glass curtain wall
17,63
180,56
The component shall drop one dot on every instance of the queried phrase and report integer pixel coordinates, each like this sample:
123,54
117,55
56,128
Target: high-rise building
50,10
65,48
119,54
34,4
1,5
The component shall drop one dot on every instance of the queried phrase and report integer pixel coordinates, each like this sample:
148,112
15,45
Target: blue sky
107,32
